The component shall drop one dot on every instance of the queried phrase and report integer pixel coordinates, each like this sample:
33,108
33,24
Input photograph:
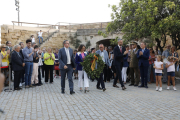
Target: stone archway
105,42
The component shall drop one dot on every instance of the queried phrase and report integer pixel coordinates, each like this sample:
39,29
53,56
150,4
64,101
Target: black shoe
62,92
17,89
141,86
104,89
123,88
72,92
34,85
146,86
99,88
38,84
131,84
135,85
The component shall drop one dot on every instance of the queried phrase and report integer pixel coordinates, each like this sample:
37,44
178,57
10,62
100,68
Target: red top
152,60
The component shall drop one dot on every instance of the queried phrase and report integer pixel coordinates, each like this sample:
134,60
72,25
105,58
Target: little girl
158,66
170,65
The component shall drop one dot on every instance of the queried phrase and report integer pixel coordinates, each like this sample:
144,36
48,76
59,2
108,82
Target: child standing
171,71
158,66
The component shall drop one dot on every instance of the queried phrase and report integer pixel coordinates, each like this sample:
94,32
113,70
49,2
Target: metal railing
66,26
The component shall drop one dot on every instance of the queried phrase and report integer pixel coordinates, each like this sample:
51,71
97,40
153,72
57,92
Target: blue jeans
149,72
40,39
28,72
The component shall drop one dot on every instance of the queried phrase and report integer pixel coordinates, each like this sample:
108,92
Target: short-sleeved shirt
171,68
166,53
49,61
158,65
6,59
40,34
26,51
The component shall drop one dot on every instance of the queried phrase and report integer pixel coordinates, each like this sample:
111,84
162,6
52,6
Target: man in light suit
143,56
67,64
103,53
119,53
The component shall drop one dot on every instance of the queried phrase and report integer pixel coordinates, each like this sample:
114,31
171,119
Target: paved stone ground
47,103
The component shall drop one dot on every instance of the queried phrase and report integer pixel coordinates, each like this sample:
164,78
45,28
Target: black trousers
106,73
100,81
39,75
47,69
118,75
17,78
43,67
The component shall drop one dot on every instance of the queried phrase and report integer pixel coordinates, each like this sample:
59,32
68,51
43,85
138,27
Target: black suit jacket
21,53
17,61
118,56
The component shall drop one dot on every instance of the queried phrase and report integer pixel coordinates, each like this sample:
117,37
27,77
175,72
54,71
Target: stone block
4,31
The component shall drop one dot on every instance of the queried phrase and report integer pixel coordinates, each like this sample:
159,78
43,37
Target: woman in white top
158,66
171,70
32,38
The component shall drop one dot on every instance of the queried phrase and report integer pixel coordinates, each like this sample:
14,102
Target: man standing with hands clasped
28,53
143,56
18,66
119,53
67,64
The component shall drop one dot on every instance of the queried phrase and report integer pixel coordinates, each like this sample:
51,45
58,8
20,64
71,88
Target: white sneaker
174,88
168,87
160,89
156,88
20,85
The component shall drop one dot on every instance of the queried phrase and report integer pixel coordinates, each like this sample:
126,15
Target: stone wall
17,35
85,26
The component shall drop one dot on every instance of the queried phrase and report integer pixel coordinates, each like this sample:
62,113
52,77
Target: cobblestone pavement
47,103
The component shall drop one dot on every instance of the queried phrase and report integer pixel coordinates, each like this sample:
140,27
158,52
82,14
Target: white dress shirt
102,55
68,55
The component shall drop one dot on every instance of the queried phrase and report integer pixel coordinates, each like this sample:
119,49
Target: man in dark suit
23,71
67,64
119,53
143,56
17,66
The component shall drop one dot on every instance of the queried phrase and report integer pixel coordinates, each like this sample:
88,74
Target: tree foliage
88,44
74,41
147,18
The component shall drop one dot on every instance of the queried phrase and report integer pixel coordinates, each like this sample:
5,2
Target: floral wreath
93,65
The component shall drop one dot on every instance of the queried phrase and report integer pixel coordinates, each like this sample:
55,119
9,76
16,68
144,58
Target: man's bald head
101,47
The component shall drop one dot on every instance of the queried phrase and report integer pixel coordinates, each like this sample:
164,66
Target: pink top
82,54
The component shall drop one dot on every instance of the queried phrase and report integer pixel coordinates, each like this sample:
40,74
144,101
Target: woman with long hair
80,56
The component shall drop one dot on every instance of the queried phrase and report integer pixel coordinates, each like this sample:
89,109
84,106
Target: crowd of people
131,63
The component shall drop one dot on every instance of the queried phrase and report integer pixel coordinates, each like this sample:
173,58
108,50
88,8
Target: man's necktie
120,49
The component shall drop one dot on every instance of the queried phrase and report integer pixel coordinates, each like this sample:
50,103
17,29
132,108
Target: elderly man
143,56
119,53
103,53
134,65
165,55
17,66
